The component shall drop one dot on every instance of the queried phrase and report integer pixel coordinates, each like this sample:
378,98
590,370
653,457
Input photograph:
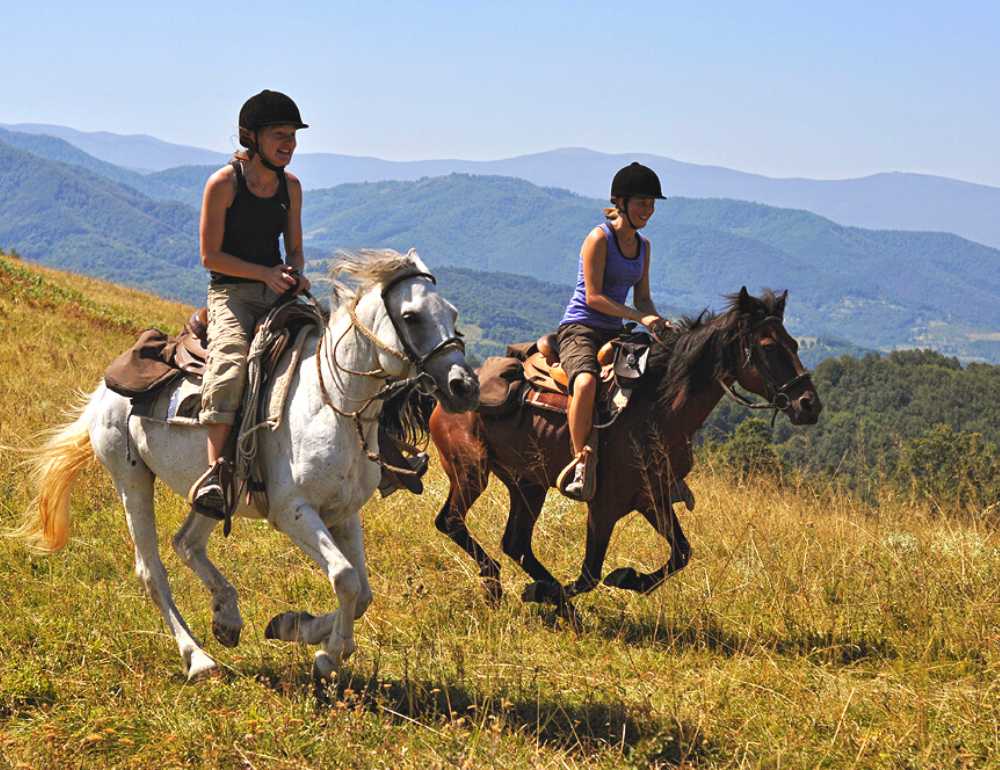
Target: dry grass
810,630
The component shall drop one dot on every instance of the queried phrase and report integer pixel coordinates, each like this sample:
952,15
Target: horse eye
411,317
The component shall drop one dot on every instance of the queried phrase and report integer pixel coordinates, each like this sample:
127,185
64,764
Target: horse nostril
461,386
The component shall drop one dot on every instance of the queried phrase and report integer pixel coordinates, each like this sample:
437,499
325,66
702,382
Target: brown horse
643,456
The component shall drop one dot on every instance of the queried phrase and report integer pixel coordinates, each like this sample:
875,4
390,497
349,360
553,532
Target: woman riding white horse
318,471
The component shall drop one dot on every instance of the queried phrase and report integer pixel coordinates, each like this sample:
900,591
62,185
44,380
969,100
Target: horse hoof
543,592
325,668
201,668
533,593
226,635
621,578
286,626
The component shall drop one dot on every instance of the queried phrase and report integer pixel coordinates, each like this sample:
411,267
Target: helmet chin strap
260,153
265,162
624,210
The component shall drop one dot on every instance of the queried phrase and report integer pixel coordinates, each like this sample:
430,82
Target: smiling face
277,143
640,210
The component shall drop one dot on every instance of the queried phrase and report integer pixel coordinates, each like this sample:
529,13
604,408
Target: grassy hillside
810,630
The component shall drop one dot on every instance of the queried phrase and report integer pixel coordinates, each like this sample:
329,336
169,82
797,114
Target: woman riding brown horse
644,455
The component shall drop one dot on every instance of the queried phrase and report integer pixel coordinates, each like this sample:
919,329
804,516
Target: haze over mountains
880,289
895,201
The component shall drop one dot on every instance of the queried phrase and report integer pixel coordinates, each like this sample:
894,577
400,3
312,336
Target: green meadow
815,627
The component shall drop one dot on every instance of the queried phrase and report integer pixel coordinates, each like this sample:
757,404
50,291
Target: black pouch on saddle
501,380
631,354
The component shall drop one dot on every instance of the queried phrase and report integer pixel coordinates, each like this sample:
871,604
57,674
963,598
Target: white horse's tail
55,465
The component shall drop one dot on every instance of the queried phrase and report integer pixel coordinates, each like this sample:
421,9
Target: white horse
394,325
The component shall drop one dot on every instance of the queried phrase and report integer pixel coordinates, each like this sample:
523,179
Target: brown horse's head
767,361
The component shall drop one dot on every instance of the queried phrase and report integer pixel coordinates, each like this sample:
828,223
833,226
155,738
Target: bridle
777,394
422,381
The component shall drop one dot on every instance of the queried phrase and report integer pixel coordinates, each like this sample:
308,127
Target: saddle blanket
179,402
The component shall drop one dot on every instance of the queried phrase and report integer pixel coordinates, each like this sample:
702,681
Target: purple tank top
620,275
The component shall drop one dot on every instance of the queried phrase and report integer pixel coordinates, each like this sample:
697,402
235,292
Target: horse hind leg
136,493
190,544
664,521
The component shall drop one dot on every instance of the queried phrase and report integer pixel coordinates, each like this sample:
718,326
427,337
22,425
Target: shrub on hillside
951,467
750,452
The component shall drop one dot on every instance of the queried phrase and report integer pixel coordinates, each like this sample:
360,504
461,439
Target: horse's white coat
316,473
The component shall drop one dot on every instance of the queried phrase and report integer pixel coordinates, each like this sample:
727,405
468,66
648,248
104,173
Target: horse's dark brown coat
641,456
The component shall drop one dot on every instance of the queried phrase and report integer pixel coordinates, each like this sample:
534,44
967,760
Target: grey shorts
578,346
233,311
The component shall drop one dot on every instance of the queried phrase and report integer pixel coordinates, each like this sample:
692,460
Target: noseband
776,393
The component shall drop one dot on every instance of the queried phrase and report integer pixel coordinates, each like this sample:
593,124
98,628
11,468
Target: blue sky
822,90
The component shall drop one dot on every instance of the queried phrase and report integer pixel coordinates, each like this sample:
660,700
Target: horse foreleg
350,583
310,629
190,544
664,521
526,501
468,480
599,528
137,496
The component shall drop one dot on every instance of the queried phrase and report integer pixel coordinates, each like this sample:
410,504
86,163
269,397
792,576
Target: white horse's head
415,325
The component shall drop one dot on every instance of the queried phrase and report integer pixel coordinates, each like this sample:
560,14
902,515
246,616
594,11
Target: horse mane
354,271
703,349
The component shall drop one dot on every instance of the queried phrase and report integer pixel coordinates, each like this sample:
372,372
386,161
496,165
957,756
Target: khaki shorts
578,346
233,311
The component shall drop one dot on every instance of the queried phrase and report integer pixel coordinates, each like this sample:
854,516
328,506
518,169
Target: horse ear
744,301
779,307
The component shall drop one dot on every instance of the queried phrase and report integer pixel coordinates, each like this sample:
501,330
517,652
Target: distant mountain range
896,201
880,289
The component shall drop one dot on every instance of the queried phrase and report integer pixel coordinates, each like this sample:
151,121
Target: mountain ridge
886,200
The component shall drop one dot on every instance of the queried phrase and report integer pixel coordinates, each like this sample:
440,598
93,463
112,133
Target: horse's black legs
451,521
599,530
526,501
664,521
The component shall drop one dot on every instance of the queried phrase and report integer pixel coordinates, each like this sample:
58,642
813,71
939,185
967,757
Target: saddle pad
552,377
179,402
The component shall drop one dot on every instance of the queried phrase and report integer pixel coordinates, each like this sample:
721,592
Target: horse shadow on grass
455,713
700,631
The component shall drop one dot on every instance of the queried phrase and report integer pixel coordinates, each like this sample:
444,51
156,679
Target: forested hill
882,289
915,415
75,220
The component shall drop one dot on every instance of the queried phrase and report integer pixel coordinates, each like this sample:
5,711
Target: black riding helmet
634,181
268,108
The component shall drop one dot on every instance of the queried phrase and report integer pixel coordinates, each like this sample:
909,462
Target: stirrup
587,461
224,475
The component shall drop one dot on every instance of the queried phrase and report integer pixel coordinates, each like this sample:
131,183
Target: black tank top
254,225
